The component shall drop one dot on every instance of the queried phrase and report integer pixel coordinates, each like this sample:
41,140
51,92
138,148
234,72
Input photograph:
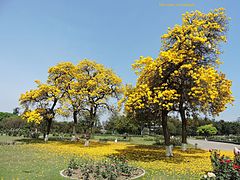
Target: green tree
207,130
122,124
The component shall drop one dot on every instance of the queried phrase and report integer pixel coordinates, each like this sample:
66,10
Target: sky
35,35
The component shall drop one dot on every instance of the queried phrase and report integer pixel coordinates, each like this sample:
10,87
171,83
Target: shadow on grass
148,153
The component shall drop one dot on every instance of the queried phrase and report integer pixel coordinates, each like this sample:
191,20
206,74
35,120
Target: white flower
209,46
210,174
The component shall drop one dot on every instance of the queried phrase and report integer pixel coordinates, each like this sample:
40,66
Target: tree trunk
45,129
166,134
86,143
74,122
90,128
74,125
165,128
49,123
87,137
184,129
141,131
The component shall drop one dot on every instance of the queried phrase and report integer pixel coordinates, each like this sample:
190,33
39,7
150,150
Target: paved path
213,145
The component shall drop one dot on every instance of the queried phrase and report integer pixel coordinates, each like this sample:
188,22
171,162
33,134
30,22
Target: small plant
72,164
121,165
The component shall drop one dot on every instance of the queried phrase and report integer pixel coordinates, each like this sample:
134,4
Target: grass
20,162
39,160
132,139
4,139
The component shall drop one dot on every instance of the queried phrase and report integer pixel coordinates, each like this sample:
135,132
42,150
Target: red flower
228,160
236,167
225,161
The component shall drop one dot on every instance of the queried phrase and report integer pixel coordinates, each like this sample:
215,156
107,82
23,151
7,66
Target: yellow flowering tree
152,93
98,86
64,76
136,106
40,105
192,50
171,81
85,88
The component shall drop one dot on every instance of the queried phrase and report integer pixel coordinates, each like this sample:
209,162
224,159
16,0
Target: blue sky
35,35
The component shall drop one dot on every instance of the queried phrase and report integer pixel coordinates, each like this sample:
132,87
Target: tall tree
64,76
169,83
40,104
195,45
99,86
207,130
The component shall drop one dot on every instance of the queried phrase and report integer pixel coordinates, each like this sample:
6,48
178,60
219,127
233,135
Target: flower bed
224,167
111,168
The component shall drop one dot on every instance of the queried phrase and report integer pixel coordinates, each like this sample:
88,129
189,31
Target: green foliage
207,130
73,164
4,115
228,127
122,124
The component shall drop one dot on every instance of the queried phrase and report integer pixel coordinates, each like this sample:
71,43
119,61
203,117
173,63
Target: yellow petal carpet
191,162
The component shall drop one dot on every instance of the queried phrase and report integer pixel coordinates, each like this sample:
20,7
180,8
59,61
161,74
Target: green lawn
145,140
21,162
9,138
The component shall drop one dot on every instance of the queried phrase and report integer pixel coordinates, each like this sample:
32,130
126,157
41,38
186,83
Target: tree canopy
207,130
